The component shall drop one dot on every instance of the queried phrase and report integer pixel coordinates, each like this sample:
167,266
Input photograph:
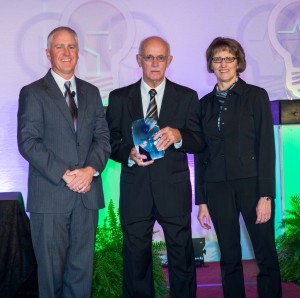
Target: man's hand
263,210
138,158
68,178
168,136
82,179
87,189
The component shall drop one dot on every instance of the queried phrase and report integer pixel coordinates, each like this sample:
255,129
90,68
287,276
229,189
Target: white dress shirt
60,81
160,89
146,96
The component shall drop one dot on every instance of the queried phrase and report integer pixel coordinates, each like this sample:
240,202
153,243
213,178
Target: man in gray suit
66,156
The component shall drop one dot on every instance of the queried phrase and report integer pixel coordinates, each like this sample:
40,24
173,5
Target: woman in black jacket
236,172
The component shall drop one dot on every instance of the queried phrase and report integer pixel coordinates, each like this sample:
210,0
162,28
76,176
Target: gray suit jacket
48,141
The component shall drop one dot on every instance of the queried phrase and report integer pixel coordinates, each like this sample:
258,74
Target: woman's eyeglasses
226,59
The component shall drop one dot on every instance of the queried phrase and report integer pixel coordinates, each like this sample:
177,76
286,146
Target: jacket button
78,144
76,164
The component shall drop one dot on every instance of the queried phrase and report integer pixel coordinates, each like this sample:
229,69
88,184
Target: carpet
209,281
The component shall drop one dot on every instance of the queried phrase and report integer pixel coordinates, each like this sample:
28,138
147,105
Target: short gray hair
58,29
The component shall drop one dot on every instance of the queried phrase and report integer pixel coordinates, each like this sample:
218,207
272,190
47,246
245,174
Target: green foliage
288,244
108,260
160,281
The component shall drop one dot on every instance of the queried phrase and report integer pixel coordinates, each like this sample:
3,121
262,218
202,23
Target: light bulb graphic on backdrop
284,33
106,34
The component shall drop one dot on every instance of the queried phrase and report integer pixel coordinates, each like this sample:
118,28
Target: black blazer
244,147
168,179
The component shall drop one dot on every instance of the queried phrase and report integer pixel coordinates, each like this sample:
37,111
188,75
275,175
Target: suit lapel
135,107
82,103
168,108
58,99
169,105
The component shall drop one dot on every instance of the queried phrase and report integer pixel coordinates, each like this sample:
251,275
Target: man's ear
48,55
139,60
170,58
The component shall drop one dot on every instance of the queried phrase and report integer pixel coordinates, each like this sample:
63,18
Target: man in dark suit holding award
63,134
158,189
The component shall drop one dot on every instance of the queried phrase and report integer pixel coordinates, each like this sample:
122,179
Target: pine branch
288,244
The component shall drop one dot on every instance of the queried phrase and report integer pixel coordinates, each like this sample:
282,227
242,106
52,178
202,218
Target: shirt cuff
178,144
130,162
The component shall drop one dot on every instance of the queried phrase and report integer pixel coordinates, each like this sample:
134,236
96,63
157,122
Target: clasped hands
79,180
167,136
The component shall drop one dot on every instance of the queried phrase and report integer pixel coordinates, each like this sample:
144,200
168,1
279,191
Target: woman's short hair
229,44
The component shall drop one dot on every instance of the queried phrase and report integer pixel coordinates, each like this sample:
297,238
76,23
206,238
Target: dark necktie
71,103
152,108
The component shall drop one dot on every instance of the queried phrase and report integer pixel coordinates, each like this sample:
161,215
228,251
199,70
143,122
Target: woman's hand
204,217
263,210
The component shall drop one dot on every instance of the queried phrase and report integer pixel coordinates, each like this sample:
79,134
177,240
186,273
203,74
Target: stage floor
209,281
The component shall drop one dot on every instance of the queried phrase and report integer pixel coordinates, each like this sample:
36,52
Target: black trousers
226,200
137,256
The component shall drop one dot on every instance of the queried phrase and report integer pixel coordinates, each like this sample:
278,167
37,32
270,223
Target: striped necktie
152,108
71,102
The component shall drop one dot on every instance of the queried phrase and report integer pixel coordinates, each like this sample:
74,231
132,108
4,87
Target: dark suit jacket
168,179
48,141
244,147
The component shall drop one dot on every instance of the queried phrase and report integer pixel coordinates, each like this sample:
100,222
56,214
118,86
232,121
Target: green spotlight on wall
111,186
289,139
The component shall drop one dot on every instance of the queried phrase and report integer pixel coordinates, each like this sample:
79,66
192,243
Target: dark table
17,260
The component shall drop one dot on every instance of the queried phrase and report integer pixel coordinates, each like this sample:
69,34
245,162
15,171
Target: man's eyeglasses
150,58
226,59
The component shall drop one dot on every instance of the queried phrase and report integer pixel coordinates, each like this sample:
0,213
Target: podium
17,260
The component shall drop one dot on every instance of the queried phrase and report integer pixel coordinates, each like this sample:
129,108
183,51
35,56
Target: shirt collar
160,88
60,81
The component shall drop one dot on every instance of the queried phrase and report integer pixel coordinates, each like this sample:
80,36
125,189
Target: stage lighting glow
284,33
